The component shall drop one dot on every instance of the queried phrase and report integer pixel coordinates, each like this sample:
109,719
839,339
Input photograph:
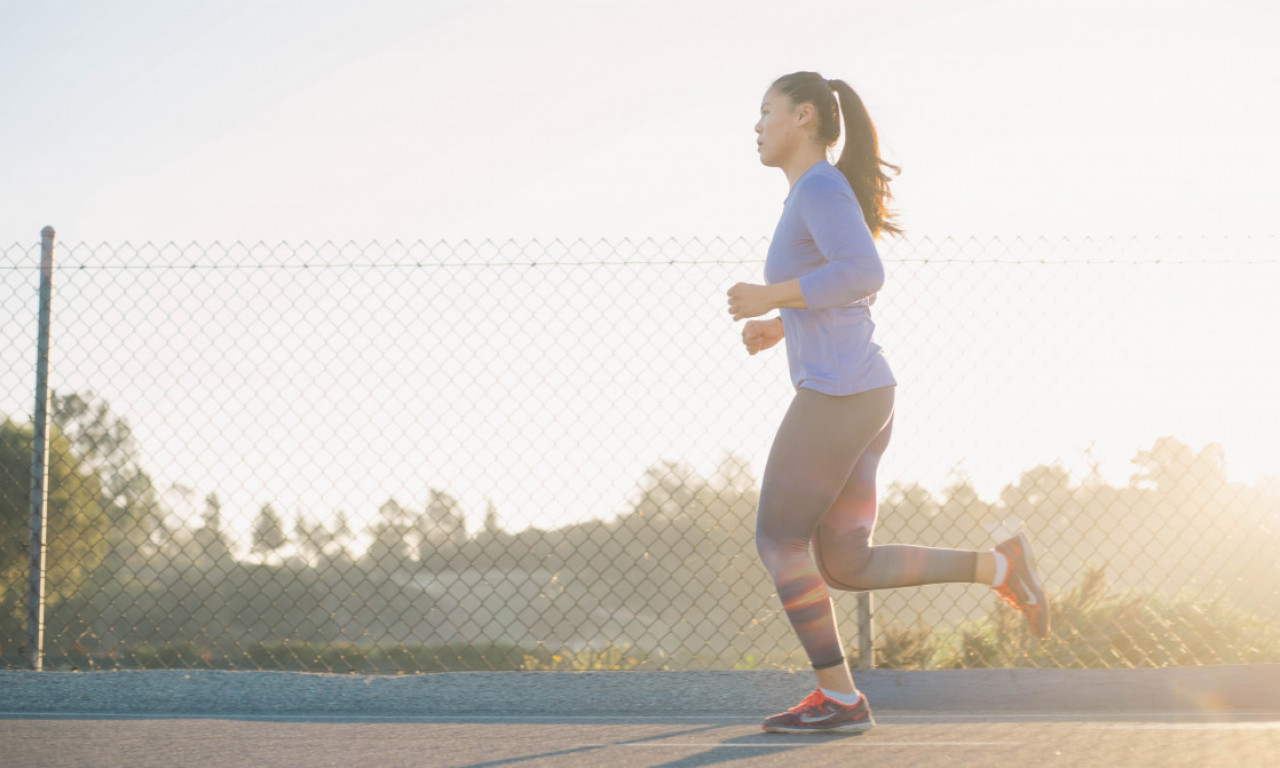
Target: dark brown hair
860,161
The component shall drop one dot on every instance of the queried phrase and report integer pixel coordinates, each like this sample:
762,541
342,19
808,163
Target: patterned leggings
819,490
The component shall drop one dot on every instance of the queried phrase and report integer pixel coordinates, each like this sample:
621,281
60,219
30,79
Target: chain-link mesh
546,455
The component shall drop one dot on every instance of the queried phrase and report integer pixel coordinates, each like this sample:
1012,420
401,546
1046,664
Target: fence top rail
637,251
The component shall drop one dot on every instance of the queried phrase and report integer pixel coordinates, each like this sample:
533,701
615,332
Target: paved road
903,738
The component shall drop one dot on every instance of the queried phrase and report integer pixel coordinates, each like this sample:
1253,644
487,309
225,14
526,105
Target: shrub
1094,628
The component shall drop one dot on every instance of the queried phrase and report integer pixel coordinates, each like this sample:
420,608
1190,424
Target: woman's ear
804,114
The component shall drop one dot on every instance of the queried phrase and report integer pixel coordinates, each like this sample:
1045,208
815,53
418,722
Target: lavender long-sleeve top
823,240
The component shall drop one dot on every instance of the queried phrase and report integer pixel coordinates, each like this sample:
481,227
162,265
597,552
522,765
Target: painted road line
1050,716
1268,726
885,718
812,743
355,718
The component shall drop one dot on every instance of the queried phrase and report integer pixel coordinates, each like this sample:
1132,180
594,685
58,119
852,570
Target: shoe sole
852,726
844,728
1029,562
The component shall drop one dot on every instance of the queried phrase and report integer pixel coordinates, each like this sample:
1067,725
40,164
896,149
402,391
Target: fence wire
418,457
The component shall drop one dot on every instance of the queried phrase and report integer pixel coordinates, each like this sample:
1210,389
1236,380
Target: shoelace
812,701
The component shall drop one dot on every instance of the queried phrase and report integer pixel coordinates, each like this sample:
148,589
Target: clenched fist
761,334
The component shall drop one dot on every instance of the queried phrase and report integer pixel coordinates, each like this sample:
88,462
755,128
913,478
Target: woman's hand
747,300
761,334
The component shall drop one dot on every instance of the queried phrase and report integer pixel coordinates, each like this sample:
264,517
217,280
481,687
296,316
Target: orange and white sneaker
1021,587
819,713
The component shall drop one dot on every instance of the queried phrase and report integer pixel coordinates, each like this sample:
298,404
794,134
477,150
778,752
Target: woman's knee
773,549
844,558
779,545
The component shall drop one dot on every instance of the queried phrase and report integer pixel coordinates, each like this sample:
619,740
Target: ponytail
861,164
860,160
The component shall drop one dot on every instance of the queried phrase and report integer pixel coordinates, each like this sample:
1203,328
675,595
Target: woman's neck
804,159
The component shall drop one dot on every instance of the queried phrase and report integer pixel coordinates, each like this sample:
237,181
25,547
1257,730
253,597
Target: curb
1014,691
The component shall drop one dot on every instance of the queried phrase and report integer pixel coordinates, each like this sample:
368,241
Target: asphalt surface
758,693
900,739
1202,716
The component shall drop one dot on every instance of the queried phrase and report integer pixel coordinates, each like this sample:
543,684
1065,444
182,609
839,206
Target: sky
157,121
138,123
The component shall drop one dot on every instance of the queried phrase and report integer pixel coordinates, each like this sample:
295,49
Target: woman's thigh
855,505
813,456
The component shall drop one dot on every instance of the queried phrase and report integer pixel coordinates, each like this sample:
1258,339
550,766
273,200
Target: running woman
818,496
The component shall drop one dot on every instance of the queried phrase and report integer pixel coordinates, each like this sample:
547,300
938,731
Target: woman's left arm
853,270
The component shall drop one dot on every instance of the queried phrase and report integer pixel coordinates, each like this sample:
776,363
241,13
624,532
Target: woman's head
812,110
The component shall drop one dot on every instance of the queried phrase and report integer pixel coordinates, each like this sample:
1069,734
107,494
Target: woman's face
780,129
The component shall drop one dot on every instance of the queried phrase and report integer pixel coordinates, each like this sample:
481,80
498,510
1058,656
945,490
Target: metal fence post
866,646
39,463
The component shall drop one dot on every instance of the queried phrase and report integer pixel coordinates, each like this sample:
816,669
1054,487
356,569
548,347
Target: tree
1045,485
1043,496
209,539
212,517
312,537
341,538
331,546
669,490
104,442
734,474
1172,467
492,526
75,528
910,501
268,530
390,536
443,521
962,510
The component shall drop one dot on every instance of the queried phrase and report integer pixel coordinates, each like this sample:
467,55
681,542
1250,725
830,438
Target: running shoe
820,714
1021,587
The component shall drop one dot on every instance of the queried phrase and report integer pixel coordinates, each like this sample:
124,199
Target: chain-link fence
546,455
